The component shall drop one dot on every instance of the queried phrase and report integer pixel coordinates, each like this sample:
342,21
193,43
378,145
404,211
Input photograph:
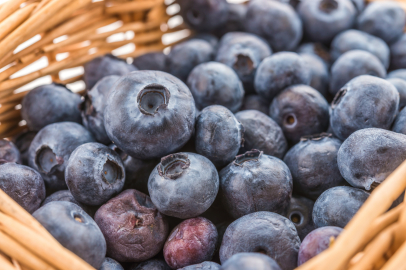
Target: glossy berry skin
263,232
235,20
219,135
134,229
300,213
363,157
92,109
103,66
191,242
315,48
204,15
66,196
337,206
250,261
357,40
9,152
23,184
399,125
153,264
203,266
313,164
324,19
214,83
149,114
110,264
276,22
399,73
187,55
255,102
400,85
243,52
137,171
183,185
262,133
50,104
364,102
23,142
151,61
279,71
73,229
51,148
319,73
316,242
385,20
398,53
255,173
352,64
300,110
94,173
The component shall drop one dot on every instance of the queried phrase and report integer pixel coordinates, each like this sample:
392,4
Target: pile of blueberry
250,145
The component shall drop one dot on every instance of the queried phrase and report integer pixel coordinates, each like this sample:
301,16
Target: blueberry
9,152
400,85
277,22
263,232
255,102
137,171
324,19
23,142
399,73
134,229
110,264
316,242
358,40
363,157
49,104
93,108
103,66
337,206
51,148
219,135
73,229
202,266
364,102
183,185
300,213
151,61
66,196
191,242
385,20
255,173
398,53
313,164
149,114
204,15
279,71
22,184
188,54
300,110
94,173
263,133
352,64
235,19
315,48
399,125
153,264
243,52
214,83
250,261
319,73
212,39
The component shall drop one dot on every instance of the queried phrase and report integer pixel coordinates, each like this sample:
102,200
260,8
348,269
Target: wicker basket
65,34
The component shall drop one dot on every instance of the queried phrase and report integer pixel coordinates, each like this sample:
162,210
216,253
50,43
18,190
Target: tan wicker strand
62,259
13,21
9,8
134,6
397,261
10,115
5,263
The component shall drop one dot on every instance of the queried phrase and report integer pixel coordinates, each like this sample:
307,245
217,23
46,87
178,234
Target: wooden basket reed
69,33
